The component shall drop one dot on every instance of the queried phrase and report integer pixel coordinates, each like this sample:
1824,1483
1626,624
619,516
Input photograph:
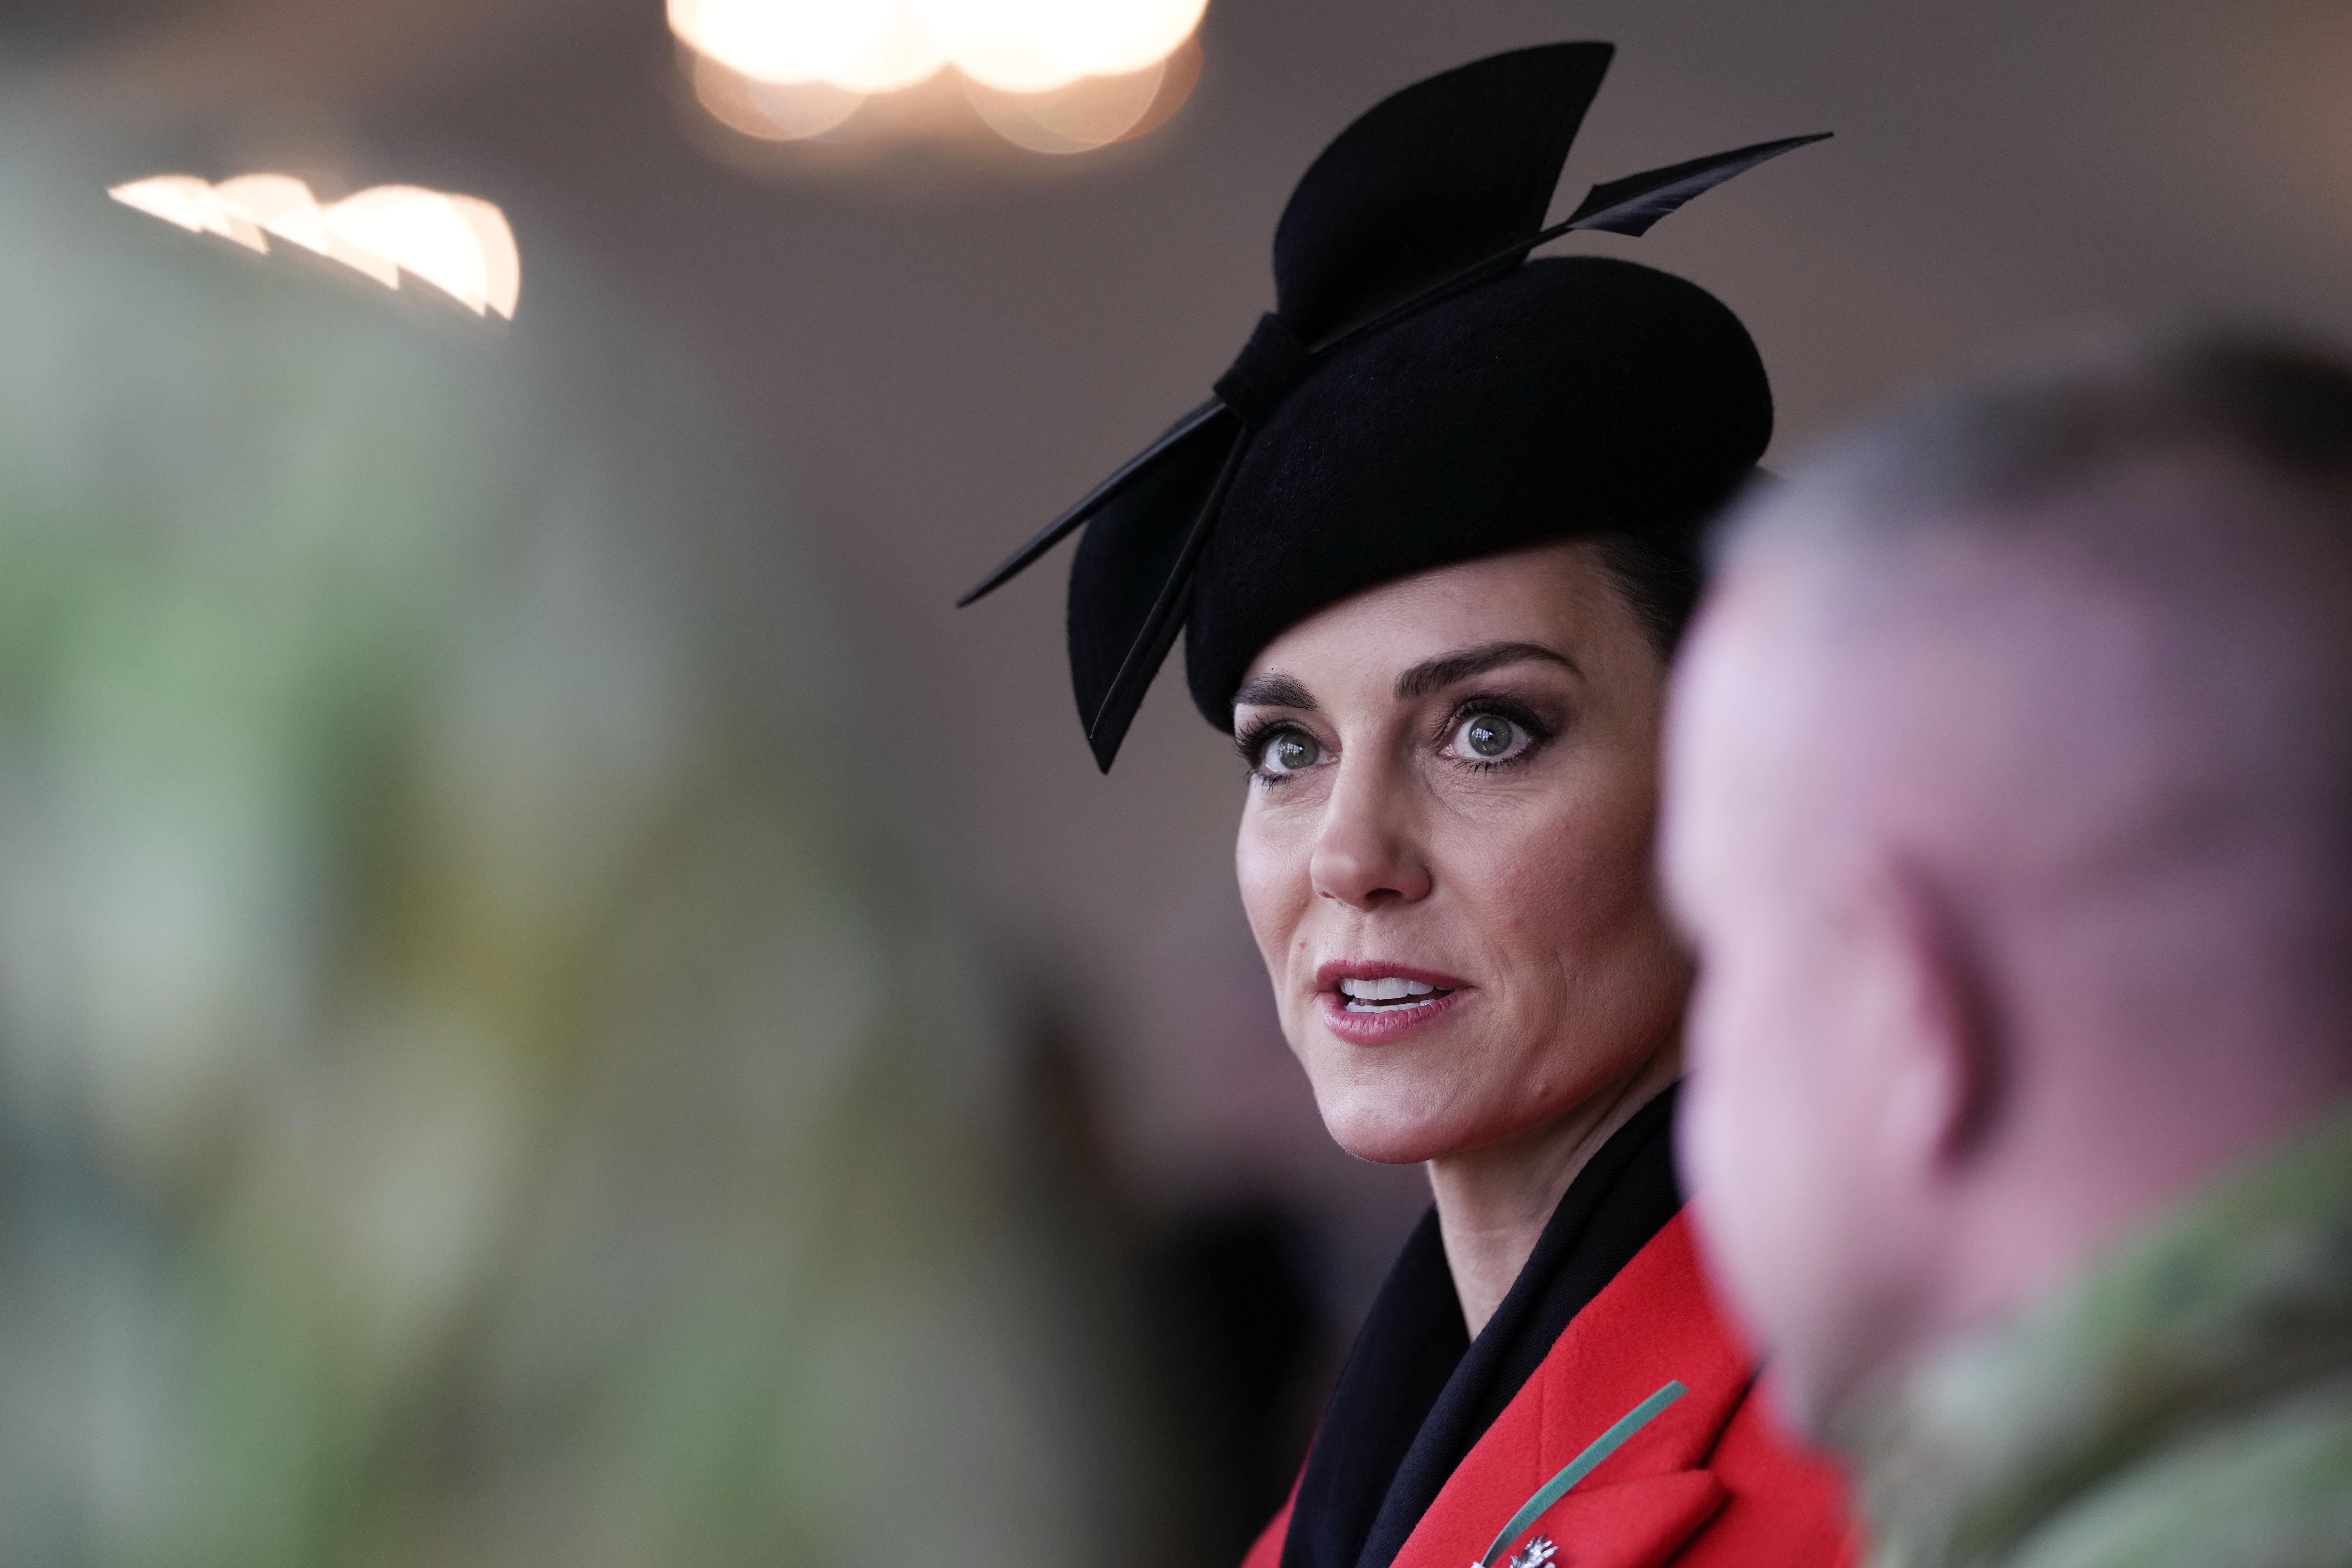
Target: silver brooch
1540,1552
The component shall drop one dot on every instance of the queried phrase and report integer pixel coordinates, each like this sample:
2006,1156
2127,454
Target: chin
1805,1388
1399,1125
1380,1141
1452,1089
1802,1308
1795,1405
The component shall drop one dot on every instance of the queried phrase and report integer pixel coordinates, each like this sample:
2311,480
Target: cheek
1270,865
1735,1133
1708,1138
1744,1128
1576,891
1778,1190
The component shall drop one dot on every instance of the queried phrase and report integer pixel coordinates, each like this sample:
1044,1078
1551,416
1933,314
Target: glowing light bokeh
459,244
281,204
864,46
1092,111
770,110
1037,46
867,47
191,203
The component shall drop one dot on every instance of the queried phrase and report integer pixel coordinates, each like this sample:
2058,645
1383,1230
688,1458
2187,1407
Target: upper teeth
1387,988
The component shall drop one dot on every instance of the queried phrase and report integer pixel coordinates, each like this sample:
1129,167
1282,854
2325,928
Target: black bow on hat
1438,190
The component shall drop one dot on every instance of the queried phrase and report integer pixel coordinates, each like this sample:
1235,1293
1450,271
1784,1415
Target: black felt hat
1422,393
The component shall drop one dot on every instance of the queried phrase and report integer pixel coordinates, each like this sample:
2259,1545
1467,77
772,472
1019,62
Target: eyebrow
1274,691
1437,674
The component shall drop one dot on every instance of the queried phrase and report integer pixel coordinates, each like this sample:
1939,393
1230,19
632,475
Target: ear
1923,1026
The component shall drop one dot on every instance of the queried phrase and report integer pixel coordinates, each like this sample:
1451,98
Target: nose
1367,853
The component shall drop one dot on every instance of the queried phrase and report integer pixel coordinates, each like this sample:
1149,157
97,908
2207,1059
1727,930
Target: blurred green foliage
486,1075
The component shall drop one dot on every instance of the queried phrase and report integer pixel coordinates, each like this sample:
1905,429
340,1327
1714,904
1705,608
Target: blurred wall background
873,373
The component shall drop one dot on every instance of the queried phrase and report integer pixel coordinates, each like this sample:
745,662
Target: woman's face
1446,852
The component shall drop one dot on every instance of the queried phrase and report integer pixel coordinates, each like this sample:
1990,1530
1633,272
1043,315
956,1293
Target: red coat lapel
1707,1484
1651,1324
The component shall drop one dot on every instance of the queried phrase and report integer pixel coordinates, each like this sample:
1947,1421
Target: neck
2119,1136
1494,1201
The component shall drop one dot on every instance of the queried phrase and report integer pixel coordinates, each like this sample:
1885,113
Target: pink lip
1380,1028
1328,978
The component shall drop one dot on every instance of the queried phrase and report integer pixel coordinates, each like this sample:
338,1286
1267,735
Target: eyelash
1252,741
1540,732
1251,744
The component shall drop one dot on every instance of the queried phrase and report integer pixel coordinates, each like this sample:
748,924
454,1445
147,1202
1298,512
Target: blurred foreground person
486,1076
1432,546
2011,806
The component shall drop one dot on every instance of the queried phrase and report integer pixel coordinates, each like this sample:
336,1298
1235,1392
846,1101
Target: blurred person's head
2007,806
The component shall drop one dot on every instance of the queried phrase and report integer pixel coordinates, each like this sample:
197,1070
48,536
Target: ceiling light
1008,47
461,245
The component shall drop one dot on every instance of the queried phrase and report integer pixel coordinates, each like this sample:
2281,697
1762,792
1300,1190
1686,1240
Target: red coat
1705,1485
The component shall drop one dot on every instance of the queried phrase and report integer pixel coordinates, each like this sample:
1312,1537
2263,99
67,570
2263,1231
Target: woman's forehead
1553,597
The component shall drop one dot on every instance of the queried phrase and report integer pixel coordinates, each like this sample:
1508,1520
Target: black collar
1417,1393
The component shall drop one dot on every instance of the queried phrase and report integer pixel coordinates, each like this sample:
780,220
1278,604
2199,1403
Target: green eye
1488,738
1291,752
